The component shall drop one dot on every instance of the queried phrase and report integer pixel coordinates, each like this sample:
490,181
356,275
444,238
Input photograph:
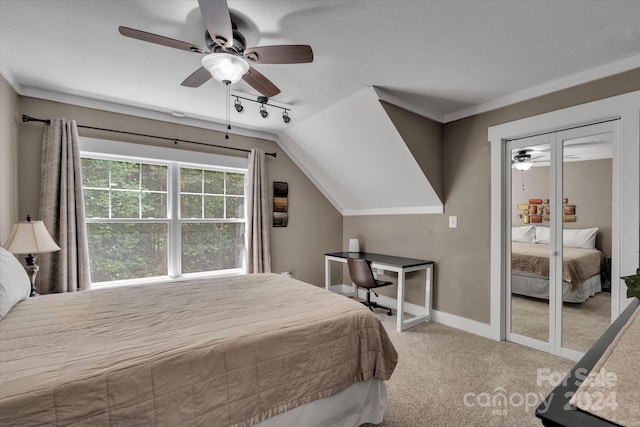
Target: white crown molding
142,112
546,88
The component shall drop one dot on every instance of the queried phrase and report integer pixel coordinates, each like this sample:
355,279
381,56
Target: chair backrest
360,272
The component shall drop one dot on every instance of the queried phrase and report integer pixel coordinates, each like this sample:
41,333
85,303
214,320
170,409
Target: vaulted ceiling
442,59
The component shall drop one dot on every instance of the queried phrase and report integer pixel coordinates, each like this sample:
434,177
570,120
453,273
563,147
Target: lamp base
32,270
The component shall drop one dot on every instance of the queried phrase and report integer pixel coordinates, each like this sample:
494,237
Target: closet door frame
625,199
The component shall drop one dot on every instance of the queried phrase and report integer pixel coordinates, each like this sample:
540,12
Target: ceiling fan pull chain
226,136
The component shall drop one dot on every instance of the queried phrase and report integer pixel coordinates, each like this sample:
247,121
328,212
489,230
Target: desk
399,265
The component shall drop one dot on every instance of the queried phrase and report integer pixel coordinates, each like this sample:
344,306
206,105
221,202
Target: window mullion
224,196
139,190
110,186
173,198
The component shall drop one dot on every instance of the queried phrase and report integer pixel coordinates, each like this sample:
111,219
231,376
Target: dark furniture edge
555,409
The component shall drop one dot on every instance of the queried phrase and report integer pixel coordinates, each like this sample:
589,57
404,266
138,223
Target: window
148,218
211,219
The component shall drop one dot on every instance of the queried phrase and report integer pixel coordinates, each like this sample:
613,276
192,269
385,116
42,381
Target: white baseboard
462,323
442,317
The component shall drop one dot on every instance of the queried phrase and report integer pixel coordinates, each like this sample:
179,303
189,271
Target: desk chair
362,276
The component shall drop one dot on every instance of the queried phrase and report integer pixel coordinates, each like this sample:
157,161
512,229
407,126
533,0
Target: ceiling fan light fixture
224,67
523,166
285,117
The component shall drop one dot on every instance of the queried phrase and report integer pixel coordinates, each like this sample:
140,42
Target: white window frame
174,159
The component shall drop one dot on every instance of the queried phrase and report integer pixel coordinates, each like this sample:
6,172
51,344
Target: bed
246,350
582,263
581,269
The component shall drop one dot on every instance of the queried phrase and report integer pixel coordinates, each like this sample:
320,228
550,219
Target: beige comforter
577,264
212,352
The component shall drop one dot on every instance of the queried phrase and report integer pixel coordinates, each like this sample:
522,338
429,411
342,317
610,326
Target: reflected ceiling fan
523,161
228,59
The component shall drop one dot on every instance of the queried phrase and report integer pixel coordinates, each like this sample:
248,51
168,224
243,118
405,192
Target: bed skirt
535,286
362,402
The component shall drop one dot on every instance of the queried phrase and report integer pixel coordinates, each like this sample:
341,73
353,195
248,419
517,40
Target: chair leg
373,304
369,302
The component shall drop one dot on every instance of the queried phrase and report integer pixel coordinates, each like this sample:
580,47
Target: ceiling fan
228,59
523,161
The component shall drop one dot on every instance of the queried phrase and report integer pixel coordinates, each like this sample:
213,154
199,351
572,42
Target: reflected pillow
584,238
543,235
524,234
14,282
580,238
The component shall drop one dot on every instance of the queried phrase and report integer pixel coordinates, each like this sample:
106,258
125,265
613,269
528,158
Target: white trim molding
549,87
625,181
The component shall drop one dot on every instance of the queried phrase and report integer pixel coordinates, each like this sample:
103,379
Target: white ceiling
443,59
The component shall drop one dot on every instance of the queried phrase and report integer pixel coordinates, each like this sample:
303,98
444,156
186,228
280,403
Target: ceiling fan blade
218,21
260,83
283,54
161,40
197,78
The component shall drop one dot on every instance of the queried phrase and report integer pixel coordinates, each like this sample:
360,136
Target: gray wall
315,227
462,255
8,158
424,140
587,185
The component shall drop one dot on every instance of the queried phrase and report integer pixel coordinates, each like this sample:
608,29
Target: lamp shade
225,67
30,237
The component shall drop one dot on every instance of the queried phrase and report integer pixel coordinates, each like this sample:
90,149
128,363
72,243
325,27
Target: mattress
230,351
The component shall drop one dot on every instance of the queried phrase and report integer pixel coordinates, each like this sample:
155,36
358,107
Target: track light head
263,112
238,105
285,117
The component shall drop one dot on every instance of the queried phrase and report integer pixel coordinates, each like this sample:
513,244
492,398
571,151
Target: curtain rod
26,118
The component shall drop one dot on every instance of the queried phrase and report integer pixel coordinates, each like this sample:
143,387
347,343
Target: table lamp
30,237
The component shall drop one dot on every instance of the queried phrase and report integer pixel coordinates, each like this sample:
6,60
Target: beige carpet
438,366
583,323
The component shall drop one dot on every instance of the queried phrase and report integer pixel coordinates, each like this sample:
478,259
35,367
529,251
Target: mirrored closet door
560,198
529,296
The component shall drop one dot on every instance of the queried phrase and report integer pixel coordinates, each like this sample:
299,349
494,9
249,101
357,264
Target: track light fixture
263,101
285,117
238,105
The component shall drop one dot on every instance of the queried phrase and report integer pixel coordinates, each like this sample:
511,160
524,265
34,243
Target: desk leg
400,307
327,273
428,294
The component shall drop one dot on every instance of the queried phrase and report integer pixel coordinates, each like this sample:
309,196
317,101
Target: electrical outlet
453,221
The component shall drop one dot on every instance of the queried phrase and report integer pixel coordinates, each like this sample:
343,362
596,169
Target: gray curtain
259,251
62,210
